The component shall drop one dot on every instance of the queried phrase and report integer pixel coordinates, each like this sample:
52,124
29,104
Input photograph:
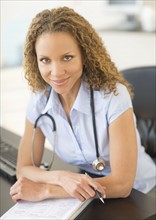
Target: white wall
28,9
17,15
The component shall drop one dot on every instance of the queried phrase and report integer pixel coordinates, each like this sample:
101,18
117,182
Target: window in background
130,9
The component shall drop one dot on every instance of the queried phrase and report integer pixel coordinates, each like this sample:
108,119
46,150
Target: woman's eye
44,60
68,57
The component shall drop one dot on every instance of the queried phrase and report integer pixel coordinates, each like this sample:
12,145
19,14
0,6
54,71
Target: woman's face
59,61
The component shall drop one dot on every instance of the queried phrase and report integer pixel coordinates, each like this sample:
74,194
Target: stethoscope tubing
98,159
33,138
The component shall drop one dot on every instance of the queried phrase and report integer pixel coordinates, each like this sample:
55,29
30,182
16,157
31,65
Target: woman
66,63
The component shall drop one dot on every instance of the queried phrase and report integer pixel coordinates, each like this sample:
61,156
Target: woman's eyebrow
40,55
68,52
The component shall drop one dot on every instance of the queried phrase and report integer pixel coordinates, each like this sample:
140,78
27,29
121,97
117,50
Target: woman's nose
56,69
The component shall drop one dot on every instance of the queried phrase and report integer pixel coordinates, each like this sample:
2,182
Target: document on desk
51,209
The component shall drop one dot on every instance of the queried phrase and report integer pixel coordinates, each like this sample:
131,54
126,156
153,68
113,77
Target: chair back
143,82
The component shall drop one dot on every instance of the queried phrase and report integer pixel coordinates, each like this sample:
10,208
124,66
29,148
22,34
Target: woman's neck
67,100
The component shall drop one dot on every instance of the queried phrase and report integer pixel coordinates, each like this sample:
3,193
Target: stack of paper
51,209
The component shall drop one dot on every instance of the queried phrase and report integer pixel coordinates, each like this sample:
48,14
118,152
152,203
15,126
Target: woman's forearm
37,174
76,185
26,189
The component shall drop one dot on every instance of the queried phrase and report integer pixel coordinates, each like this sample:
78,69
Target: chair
143,82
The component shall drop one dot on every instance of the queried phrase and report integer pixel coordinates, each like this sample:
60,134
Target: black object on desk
8,154
137,206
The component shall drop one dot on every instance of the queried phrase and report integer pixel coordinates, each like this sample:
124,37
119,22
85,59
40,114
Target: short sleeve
35,106
118,104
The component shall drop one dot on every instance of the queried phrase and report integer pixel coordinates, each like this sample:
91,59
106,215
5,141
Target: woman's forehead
60,42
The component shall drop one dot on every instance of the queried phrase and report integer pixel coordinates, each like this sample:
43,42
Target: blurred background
127,28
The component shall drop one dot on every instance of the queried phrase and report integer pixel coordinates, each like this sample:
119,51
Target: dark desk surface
136,206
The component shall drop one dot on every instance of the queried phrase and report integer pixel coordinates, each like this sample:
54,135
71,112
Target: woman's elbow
126,192
126,188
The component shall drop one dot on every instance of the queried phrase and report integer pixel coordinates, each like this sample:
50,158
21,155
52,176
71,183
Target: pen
97,192
99,195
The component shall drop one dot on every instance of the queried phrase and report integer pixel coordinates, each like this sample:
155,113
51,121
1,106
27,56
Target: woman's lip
59,82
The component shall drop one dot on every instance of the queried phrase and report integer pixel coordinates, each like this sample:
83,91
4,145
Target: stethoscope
98,164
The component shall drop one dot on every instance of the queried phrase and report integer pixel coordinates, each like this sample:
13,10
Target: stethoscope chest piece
98,164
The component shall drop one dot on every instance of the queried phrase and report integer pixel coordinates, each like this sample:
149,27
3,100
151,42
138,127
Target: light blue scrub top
76,144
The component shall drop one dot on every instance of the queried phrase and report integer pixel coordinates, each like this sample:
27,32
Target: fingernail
104,196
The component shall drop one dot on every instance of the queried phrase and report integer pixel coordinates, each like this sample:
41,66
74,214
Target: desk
136,207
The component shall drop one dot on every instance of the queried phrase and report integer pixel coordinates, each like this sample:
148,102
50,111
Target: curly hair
99,71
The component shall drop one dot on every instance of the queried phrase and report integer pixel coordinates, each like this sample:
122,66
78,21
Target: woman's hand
80,186
26,189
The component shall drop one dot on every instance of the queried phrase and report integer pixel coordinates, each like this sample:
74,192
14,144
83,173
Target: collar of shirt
81,104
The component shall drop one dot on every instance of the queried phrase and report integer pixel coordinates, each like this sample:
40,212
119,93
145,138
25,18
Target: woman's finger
95,185
14,190
16,197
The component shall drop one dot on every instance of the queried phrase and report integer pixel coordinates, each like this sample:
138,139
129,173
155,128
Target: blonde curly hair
99,71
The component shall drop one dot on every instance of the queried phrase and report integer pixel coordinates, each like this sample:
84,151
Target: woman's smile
61,82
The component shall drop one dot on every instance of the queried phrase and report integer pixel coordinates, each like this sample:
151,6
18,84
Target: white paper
52,209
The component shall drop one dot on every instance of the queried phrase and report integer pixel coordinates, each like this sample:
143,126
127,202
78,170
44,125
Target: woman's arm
24,161
123,156
26,189
67,183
